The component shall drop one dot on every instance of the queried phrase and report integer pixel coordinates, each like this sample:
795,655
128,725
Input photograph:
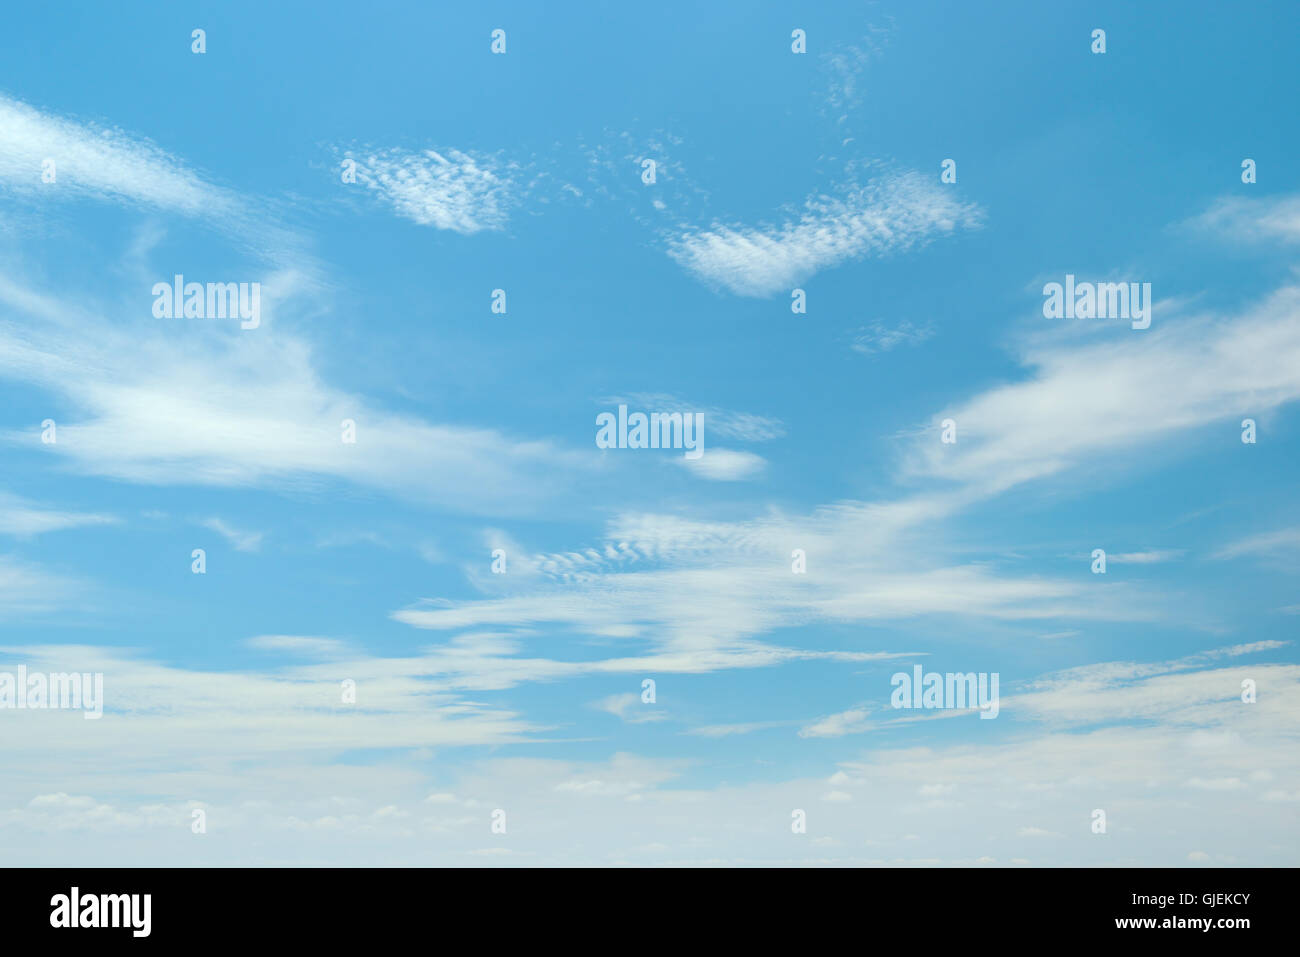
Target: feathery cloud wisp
883,217
457,191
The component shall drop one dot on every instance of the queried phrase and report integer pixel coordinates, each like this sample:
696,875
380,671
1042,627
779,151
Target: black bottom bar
1158,907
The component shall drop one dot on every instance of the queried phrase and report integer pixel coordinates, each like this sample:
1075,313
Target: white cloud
1171,692
1088,399
889,216
879,337
741,426
837,725
106,163
166,715
64,791
845,67
23,519
1266,543
725,465
727,730
730,582
1254,220
703,591
1148,557
230,734
628,707
28,588
451,190
241,541
196,405
112,165
306,645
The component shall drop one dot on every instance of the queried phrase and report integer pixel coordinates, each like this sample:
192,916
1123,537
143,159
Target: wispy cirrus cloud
886,216
742,426
1251,220
153,407
308,646
449,189
29,588
106,164
1151,556
707,589
1211,370
101,162
853,721
1107,396
1279,541
1181,692
628,707
880,337
22,518
729,730
844,66
729,582
240,540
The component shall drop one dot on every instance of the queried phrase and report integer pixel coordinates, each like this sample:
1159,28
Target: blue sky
371,562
